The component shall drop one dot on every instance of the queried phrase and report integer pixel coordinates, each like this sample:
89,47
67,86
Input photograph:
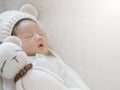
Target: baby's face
33,40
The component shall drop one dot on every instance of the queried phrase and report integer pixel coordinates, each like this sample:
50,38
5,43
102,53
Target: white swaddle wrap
47,73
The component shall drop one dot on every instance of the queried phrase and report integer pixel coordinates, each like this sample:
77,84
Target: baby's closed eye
27,35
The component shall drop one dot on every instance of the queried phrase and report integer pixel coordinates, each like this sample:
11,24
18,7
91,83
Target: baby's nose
38,37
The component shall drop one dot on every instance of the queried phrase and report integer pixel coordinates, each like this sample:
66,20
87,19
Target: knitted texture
29,8
8,19
39,79
12,60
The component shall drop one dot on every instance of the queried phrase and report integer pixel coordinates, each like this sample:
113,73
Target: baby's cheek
46,42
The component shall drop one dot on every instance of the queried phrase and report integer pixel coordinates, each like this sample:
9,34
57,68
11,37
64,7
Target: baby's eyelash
41,34
27,35
2,67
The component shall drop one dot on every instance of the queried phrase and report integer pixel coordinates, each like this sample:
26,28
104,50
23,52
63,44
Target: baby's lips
40,45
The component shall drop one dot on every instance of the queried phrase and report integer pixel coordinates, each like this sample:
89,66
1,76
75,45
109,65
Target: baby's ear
30,9
13,39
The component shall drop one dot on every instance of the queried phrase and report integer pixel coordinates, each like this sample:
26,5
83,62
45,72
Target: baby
35,45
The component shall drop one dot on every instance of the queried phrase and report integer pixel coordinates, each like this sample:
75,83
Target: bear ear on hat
30,9
13,39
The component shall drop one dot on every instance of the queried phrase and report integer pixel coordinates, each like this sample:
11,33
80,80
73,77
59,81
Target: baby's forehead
28,26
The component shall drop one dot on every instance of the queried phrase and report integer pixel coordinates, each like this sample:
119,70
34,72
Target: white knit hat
8,19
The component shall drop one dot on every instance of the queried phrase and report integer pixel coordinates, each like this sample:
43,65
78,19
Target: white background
85,33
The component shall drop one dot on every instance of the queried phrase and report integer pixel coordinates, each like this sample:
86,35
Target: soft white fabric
55,65
28,8
55,75
1,85
8,85
42,80
12,60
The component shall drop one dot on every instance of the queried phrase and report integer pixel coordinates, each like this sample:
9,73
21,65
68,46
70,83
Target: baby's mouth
40,45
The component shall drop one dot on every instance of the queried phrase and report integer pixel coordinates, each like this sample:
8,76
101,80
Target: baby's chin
45,52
